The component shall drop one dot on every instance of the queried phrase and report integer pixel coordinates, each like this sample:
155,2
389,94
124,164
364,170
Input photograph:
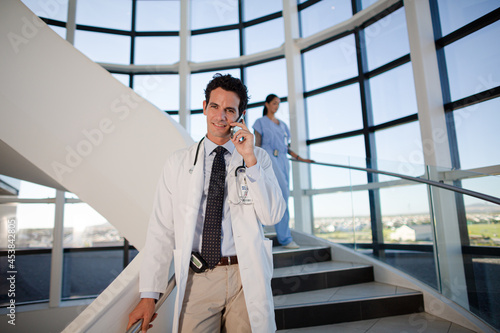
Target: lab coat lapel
195,191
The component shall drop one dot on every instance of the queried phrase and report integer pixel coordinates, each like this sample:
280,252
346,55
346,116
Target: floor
414,323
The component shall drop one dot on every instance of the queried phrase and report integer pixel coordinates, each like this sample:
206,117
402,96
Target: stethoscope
241,180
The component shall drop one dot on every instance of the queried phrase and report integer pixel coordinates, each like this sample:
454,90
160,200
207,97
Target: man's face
221,110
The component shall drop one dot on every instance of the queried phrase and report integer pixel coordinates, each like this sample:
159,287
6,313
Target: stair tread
361,291
302,248
396,324
316,267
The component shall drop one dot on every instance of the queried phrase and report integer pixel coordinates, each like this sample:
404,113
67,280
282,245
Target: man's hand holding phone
243,141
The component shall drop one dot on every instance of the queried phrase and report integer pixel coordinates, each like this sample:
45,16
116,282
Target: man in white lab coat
230,297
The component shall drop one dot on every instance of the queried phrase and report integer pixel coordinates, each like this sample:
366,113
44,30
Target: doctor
234,293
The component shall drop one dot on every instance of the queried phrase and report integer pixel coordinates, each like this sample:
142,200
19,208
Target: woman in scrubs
273,135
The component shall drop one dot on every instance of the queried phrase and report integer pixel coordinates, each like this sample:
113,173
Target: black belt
226,261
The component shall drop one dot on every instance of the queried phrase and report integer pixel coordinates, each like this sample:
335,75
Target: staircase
311,290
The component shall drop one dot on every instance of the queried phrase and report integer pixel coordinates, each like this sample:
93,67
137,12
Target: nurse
273,135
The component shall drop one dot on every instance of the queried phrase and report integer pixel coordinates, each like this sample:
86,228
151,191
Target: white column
71,22
56,262
184,69
300,171
436,150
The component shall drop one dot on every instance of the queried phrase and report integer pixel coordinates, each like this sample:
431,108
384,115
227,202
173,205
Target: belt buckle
229,261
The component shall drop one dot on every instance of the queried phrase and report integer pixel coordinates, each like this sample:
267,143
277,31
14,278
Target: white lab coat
172,226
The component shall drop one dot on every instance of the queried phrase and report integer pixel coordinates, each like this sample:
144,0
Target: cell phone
235,129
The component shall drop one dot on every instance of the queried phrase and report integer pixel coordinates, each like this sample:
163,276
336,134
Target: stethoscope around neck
241,179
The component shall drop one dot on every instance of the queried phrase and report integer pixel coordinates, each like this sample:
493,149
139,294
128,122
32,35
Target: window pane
367,3
349,151
393,94
114,14
330,63
208,47
123,78
343,217
334,112
32,280
406,205
386,39
399,149
198,126
30,190
267,78
477,134
158,15
161,90
253,114
101,47
454,14
89,273
473,62
199,82
84,227
324,14
264,36
34,223
209,13
257,8
156,50
57,10
60,31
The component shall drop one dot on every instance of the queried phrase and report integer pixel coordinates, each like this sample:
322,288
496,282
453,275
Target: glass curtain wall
29,211
469,65
362,111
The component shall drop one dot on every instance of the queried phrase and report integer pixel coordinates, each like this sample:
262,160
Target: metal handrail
475,194
170,286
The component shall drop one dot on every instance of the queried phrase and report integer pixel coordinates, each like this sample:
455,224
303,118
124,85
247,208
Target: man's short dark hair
228,83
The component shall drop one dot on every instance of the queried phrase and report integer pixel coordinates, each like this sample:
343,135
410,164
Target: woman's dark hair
228,83
269,98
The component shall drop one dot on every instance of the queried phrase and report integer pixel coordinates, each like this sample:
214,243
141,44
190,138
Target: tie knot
220,150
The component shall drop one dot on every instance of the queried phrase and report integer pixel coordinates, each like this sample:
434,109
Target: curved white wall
78,124
88,132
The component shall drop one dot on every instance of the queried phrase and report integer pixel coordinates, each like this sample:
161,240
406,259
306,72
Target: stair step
421,322
304,255
345,304
319,275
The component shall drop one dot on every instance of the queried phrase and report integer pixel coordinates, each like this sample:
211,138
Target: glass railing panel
427,223
407,230
418,264
486,273
405,214
466,232
342,217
